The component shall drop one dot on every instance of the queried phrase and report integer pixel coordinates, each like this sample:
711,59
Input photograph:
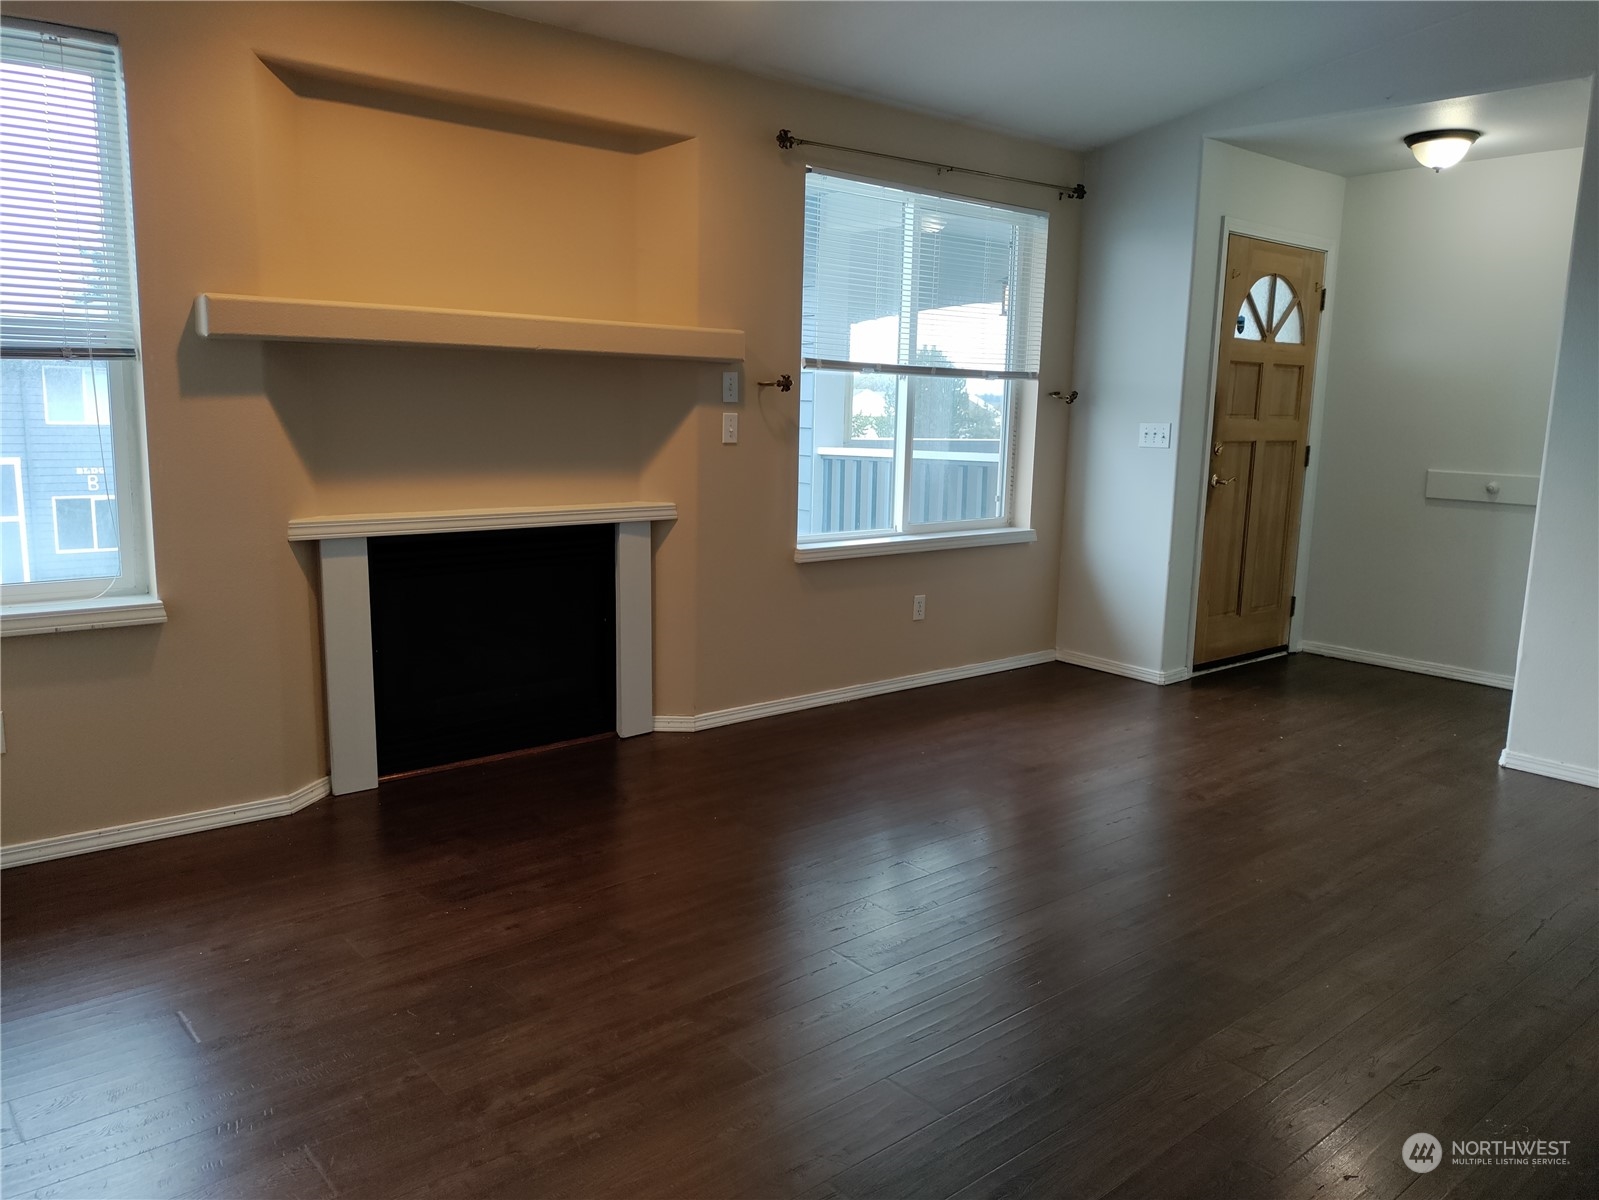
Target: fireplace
490,642
348,617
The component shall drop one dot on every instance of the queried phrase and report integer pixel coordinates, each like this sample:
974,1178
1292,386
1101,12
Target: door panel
1271,304
1267,538
1224,529
1285,391
1243,398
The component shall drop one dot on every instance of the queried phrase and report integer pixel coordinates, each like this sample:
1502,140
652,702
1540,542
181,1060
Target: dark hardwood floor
1049,933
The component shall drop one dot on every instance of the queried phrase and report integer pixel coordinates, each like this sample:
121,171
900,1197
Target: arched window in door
1271,313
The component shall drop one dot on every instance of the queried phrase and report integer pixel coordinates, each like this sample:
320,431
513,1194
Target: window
76,393
85,524
13,524
922,324
71,412
1273,307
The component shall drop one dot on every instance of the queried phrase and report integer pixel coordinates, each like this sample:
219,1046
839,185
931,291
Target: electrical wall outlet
729,387
729,429
918,607
1156,436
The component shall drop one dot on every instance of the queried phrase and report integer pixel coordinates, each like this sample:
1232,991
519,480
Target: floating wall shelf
271,318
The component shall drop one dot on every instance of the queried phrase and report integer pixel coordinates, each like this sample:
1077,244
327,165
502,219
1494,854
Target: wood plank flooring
1049,933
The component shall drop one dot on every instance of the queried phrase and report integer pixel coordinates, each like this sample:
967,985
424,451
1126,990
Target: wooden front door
1256,470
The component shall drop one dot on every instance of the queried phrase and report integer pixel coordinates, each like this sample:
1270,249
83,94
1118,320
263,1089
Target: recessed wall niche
394,192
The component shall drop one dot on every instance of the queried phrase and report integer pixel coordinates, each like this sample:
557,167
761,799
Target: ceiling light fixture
1440,148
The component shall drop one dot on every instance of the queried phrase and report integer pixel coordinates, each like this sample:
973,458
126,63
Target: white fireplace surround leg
635,652
347,666
347,652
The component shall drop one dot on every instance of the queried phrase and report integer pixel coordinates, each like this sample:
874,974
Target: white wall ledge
910,543
64,616
466,520
274,318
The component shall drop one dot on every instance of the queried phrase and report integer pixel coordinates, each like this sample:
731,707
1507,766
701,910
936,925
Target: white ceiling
1552,116
1074,74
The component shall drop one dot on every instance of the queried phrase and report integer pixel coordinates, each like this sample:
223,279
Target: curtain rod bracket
787,141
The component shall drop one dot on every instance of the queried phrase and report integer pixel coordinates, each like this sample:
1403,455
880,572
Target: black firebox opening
486,643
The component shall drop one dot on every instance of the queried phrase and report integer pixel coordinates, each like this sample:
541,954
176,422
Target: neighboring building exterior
58,513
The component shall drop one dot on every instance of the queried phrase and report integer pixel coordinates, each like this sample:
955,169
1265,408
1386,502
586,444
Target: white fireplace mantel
347,613
466,520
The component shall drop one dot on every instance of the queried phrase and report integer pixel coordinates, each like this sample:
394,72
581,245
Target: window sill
62,616
910,543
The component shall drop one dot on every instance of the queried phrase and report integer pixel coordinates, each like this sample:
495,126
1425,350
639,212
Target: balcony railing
857,492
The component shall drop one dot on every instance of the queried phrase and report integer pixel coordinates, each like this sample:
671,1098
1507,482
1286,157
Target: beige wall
243,185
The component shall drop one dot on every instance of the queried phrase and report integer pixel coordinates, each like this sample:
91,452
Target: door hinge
1293,603
1307,454
1323,299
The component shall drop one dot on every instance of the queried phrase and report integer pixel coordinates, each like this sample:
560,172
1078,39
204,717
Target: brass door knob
1218,481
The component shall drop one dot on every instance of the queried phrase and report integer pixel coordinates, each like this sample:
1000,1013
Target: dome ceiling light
1440,148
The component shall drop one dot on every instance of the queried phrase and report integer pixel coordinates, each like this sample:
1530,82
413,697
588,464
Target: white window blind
66,251
920,284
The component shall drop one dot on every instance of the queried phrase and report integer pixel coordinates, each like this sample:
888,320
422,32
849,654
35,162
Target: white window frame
1009,525
129,598
21,519
94,499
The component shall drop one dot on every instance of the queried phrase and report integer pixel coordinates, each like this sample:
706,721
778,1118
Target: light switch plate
1156,436
729,429
729,387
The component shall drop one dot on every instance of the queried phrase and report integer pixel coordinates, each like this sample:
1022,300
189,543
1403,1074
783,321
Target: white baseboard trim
1143,674
1553,768
843,695
69,844
1415,665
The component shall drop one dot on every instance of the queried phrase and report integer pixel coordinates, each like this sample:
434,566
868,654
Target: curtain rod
787,141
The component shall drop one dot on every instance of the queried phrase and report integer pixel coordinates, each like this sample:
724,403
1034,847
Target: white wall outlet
1157,436
729,429
918,607
729,387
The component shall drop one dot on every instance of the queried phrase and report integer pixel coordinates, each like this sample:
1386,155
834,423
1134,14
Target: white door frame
1318,385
